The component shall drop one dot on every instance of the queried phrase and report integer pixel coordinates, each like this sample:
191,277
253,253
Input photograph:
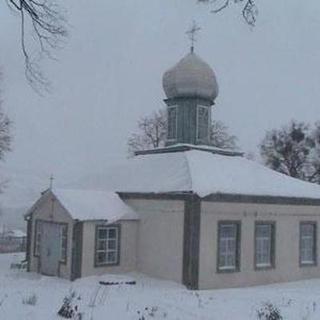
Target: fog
109,74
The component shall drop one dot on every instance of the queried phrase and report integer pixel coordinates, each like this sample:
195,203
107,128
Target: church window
64,241
264,244
172,122
203,118
307,243
107,245
228,246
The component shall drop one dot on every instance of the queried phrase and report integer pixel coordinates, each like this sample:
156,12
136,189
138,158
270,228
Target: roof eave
262,199
224,197
187,147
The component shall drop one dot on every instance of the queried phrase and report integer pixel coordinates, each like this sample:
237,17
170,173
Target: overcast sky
109,74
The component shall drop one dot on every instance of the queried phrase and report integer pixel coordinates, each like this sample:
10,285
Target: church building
188,212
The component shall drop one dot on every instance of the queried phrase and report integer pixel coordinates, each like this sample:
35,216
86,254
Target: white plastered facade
49,209
160,237
128,247
154,244
287,219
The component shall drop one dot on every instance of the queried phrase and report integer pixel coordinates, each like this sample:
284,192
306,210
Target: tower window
202,122
172,122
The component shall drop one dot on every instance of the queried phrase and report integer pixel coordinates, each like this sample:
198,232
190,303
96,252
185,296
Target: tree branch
48,27
249,9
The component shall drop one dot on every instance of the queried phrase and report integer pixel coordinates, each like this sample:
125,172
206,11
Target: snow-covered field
148,299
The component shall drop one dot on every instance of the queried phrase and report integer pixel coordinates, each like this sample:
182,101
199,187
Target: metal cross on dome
51,181
192,34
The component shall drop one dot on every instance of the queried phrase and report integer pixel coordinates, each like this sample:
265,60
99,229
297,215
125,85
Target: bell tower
191,89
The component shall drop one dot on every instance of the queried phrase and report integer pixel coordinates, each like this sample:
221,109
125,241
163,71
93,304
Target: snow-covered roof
187,146
94,205
16,233
202,172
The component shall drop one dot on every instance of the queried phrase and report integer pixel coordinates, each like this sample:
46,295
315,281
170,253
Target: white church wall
128,247
287,266
160,237
49,209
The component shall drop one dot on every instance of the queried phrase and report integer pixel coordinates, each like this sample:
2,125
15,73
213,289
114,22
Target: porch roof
94,205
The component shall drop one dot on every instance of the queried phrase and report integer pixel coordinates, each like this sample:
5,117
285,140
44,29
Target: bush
30,300
151,313
269,312
69,308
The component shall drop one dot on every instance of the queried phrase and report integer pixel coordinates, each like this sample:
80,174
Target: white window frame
197,123
264,245
115,251
308,238
176,131
226,253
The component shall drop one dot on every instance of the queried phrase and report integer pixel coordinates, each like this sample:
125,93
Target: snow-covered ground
153,299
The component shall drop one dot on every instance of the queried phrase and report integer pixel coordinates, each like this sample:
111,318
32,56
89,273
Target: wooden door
50,248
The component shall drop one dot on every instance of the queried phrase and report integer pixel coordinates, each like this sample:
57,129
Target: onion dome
190,77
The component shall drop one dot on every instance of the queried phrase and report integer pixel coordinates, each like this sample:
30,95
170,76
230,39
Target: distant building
12,240
188,212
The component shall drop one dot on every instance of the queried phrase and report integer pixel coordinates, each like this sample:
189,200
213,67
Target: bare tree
48,30
293,150
5,137
152,131
314,167
220,137
249,8
5,134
